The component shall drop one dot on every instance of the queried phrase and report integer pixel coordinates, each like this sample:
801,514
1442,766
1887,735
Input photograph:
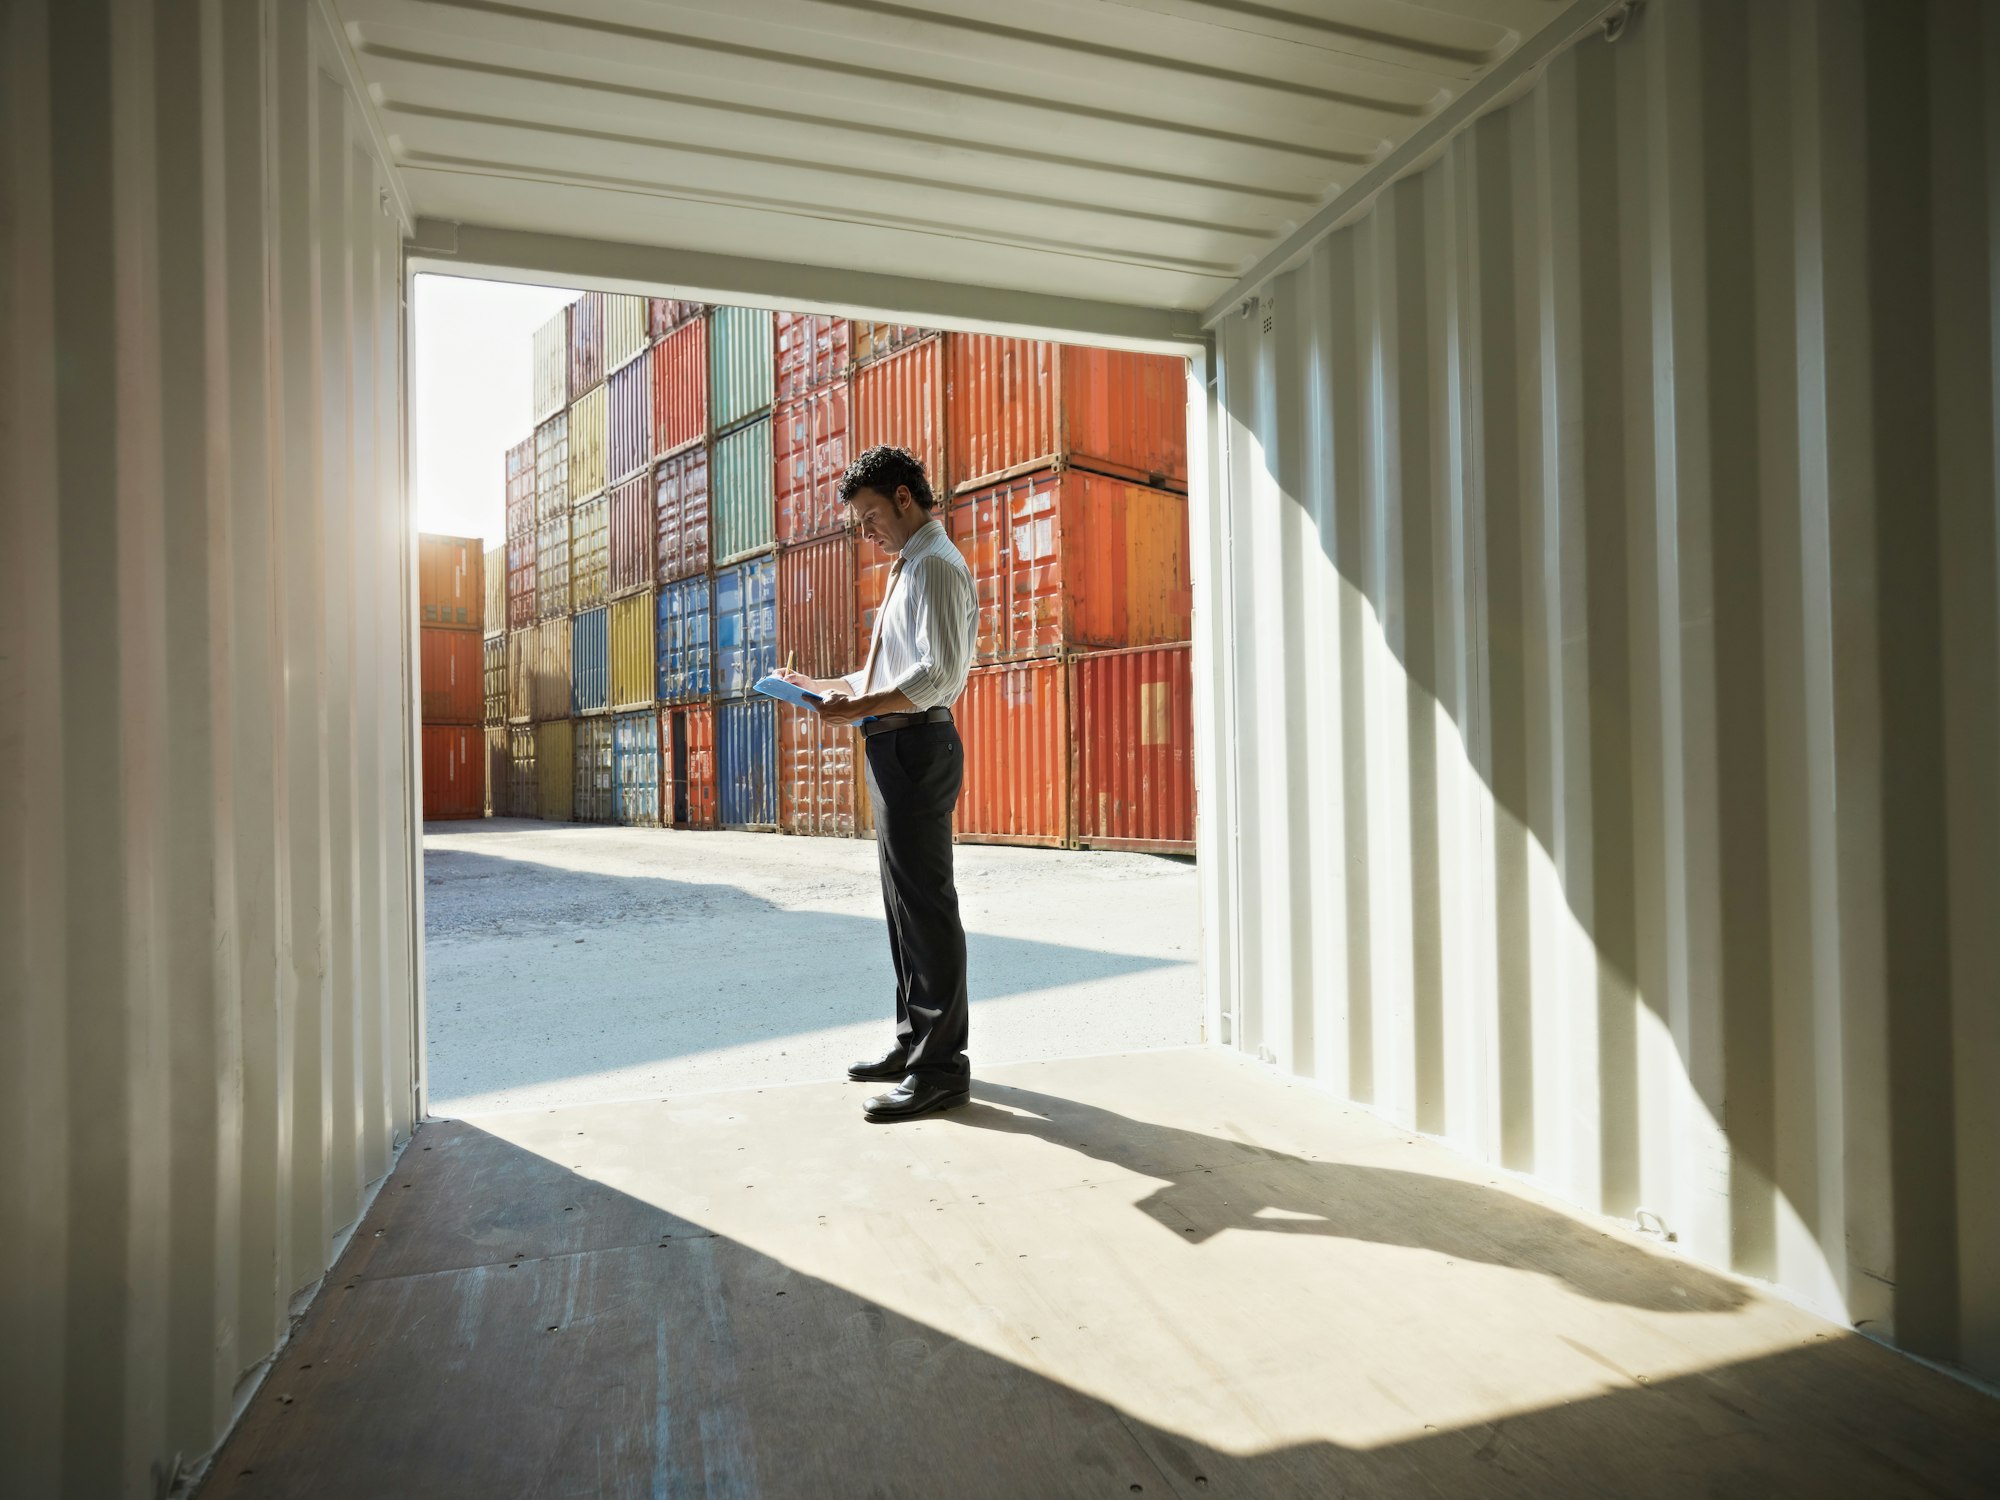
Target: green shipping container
589,552
739,365
740,498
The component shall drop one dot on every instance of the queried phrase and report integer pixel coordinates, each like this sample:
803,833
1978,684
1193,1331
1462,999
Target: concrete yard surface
1173,1273
566,963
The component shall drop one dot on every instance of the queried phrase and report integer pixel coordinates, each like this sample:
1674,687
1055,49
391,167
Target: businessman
901,702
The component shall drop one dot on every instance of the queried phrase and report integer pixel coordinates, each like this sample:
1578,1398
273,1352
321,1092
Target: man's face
887,521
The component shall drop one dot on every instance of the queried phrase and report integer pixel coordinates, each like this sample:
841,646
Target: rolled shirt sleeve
942,610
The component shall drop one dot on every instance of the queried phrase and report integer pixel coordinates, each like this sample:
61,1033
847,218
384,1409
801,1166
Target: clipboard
777,687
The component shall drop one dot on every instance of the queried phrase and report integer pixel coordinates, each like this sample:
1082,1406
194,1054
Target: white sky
472,404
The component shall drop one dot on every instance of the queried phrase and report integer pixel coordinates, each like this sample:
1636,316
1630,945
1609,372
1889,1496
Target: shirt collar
924,539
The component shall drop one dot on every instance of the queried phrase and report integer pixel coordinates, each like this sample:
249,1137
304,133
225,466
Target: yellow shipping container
521,675
554,748
589,553
550,696
588,431
632,672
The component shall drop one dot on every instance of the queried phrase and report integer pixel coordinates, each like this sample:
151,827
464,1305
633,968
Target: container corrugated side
739,365
745,625
521,663
871,585
522,604
624,330
899,401
809,351
550,695
687,766
680,515
523,790
550,352
555,791
633,662
1068,558
1133,731
635,769
1012,405
493,575
450,592
454,771
867,341
592,798
816,606
452,675
746,763
632,535
590,661
499,771
590,552
740,507
586,344
588,430
809,451
1014,722
629,418
665,314
679,365
552,568
552,468
521,488
493,680
817,769
683,640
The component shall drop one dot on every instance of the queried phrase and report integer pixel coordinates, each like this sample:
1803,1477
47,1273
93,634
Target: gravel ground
567,964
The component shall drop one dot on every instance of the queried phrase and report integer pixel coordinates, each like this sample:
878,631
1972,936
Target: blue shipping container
746,762
590,661
635,743
746,625
682,641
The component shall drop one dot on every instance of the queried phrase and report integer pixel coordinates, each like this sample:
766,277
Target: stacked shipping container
453,675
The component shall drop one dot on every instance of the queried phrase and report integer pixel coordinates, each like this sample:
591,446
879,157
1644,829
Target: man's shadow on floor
1214,1184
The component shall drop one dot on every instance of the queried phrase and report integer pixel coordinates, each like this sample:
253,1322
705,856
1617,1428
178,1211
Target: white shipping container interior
1596,545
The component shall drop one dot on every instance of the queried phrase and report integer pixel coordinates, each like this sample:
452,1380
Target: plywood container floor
1170,1273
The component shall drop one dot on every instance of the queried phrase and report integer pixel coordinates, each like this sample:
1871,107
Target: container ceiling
1142,152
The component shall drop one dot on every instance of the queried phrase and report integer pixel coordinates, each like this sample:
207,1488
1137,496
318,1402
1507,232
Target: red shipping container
809,454
816,605
454,771
1012,405
521,580
521,488
900,401
1070,558
632,538
586,344
1014,720
817,769
628,444
1134,771
687,766
808,351
450,586
680,515
665,314
680,387
453,675
871,584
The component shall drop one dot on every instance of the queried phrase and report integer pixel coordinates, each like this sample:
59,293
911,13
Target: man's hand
840,710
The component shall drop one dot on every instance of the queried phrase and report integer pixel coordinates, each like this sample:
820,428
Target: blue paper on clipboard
777,687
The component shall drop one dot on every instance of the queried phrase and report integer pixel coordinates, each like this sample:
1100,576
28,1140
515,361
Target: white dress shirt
926,625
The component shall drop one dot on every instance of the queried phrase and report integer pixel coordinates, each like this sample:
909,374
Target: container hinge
1620,20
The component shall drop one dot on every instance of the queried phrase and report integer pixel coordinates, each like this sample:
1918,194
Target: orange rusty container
816,605
871,585
818,768
809,453
1134,736
454,771
521,488
665,314
900,401
1013,405
680,515
632,539
450,587
680,387
1067,558
1014,720
687,766
808,351
453,675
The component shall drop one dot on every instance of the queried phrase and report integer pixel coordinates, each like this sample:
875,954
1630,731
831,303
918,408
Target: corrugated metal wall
1605,748
206,695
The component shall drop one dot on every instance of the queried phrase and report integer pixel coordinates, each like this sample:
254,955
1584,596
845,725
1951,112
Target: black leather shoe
891,1064
916,1096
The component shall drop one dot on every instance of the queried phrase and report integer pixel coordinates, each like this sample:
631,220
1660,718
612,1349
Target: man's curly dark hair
881,469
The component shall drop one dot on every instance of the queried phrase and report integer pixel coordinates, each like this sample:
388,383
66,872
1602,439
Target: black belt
938,715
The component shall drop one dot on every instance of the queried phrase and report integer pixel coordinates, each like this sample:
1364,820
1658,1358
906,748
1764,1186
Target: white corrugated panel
1606,650
206,963
549,350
